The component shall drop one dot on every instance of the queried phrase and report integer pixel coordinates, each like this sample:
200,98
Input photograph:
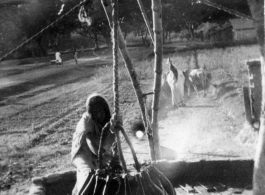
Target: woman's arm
93,143
110,139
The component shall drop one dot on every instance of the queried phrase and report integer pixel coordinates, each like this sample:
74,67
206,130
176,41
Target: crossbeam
220,7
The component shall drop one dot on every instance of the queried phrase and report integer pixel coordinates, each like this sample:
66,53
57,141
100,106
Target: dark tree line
21,21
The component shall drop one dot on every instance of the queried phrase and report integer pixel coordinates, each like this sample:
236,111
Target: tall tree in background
131,19
10,33
99,25
36,16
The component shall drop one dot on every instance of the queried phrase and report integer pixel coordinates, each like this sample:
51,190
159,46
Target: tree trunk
158,51
42,50
125,34
144,38
164,35
169,37
129,65
196,61
191,31
2,48
96,41
257,10
107,37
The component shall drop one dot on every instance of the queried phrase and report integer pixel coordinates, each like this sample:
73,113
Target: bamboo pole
158,51
129,65
257,11
147,23
220,7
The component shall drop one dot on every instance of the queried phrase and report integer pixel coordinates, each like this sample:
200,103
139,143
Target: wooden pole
257,11
132,73
147,23
158,51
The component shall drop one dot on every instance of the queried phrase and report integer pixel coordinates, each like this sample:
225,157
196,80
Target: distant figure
75,55
196,77
58,59
175,80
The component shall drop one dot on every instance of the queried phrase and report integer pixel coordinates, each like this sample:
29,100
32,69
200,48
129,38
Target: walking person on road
58,58
75,55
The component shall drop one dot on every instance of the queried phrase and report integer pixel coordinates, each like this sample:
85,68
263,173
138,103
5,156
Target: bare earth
39,112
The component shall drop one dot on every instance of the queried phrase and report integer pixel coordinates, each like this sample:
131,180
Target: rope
115,118
42,30
115,61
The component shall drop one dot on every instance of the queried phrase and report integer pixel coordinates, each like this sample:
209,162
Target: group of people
58,57
180,81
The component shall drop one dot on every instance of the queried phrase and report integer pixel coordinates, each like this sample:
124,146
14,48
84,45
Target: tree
9,3
131,18
38,15
185,14
99,22
10,33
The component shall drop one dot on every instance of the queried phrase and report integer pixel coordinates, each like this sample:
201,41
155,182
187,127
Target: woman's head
98,108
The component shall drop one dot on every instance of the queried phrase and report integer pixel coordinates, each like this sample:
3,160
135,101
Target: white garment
81,155
177,87
58,57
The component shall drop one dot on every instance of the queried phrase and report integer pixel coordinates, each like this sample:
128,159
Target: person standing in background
75,55
58,58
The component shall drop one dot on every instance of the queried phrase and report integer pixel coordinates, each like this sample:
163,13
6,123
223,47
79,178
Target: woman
87,136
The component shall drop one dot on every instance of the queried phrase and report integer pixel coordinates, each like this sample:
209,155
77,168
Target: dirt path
32,72
202,130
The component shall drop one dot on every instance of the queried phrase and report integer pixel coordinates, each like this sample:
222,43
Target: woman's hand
106,158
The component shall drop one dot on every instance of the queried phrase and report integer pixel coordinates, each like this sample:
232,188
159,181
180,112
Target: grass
132,39
231,60
144,70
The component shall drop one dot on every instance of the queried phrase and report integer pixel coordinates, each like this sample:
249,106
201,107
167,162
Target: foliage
99,26
38,15
183,14
131,19
10,33
28,19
